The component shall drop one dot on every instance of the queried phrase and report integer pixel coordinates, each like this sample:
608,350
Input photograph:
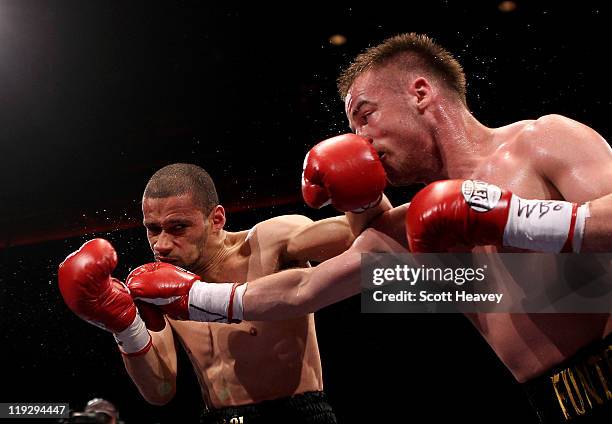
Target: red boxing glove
344,171
165,285
181,295
460,213
88,289
151,315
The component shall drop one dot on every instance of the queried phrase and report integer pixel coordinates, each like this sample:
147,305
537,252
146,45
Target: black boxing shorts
305,408
578,390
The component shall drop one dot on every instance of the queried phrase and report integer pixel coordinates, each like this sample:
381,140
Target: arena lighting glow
337,40
507,6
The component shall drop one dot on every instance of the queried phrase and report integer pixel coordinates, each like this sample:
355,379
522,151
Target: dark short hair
408,51
180,179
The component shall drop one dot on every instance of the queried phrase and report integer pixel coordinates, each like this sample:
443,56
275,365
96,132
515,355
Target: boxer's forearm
598,227
155,376
360,221
287,294
297,292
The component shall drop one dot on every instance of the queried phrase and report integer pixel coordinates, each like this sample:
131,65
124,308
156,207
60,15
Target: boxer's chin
172,261
189,266
401,175
394,177
392,182
181,264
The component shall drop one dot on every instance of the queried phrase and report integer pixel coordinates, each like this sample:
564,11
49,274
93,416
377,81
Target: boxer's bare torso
522,162
426,135
252,361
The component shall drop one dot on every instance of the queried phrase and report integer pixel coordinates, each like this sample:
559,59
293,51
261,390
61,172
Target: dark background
96,96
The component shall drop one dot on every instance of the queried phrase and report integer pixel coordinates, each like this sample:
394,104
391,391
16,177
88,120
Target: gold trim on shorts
581,387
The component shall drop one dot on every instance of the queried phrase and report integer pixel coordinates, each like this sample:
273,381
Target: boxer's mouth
380,153
167,260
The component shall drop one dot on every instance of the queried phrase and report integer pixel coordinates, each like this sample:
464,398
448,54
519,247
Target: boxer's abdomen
531,344
253,361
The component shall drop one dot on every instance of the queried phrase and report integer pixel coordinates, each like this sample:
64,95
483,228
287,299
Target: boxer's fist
164,285
182,295
89,290
151,315
344,171
468,213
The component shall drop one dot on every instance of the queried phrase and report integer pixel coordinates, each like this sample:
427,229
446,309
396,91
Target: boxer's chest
238,353
518,173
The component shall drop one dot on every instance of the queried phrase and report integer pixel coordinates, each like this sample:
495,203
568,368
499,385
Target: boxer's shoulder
278,230
555,153
560,146
554,132
547,138
271,238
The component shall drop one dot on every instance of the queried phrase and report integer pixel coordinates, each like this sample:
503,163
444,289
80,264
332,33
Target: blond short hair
409,51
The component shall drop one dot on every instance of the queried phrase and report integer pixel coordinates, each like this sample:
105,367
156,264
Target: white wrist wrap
370,205
541,225
135,338
210,302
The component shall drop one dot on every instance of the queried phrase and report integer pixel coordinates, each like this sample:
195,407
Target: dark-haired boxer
408,96
256,372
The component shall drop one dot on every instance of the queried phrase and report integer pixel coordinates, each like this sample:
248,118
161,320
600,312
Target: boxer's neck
463,141
218,253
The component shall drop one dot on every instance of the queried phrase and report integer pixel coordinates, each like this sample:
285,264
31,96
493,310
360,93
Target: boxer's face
380,107
177,230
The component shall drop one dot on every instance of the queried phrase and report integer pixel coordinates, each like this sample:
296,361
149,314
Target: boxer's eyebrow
358,107
174,221
356,110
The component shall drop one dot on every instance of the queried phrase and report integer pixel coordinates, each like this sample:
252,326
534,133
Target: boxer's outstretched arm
320,240
392,222
358,222
288,294
598,227
298,292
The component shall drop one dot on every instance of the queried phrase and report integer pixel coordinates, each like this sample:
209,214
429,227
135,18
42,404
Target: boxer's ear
422,92
217,218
